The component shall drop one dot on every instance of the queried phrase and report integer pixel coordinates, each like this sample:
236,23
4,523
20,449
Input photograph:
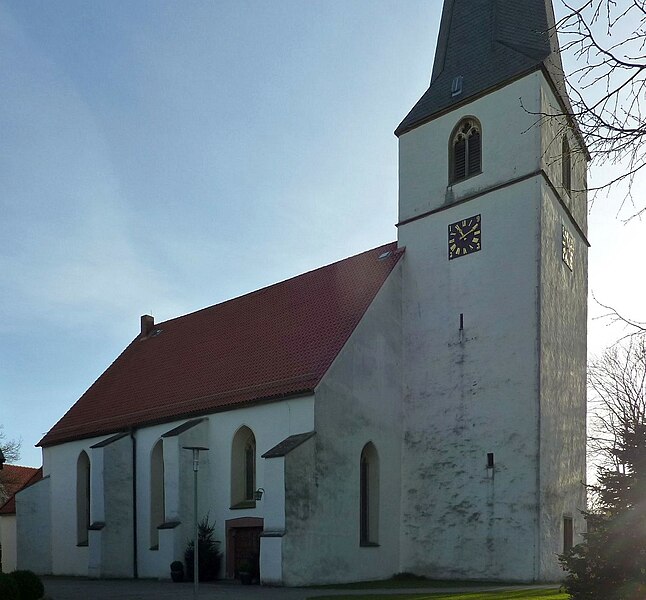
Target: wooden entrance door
243,546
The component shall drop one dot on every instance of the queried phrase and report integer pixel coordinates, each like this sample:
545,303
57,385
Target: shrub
8,588
30,587
209,554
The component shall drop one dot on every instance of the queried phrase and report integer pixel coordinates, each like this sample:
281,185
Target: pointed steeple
484,44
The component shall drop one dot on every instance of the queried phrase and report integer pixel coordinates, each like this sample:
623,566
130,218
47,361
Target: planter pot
245,578
177,576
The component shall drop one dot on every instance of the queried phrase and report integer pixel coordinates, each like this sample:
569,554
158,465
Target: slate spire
483,44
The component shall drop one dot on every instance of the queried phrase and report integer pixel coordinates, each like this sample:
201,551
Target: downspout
135,565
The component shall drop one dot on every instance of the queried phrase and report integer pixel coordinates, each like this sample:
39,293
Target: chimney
147,325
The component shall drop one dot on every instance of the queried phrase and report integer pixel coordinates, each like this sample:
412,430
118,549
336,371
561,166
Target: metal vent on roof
385,255
155,333
456,85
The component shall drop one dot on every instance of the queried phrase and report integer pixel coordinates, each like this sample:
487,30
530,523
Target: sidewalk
62,588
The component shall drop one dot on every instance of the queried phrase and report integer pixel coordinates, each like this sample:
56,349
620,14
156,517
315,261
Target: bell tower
492,212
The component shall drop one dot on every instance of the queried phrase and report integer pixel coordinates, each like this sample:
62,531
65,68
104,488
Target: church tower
492,212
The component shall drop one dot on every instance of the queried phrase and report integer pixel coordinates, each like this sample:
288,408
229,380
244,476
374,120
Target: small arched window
243,468
369,495
157,502
465,150
566,166
82,499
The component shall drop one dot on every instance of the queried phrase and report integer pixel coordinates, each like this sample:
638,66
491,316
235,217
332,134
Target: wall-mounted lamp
257,495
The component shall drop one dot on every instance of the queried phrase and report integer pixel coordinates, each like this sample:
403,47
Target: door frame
230,525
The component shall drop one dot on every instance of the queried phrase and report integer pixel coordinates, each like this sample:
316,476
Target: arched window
465,150
243,469
566,166
369,495
157,504
82,499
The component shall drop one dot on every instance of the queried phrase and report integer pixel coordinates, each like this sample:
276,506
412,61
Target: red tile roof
13,479
271,343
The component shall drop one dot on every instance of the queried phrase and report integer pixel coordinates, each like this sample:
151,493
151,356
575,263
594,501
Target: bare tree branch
608,91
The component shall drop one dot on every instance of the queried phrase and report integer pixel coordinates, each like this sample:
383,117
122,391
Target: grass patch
553,594
403,581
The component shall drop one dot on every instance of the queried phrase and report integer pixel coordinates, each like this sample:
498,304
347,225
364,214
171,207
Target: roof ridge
19,466
272,285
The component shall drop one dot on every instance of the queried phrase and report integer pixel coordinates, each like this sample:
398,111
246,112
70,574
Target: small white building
13,478
418,407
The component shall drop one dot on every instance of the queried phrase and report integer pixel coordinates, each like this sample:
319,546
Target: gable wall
358,401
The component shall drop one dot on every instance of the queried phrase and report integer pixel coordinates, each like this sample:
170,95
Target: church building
419,407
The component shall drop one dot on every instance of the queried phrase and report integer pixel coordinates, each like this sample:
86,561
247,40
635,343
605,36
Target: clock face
464,237
568,248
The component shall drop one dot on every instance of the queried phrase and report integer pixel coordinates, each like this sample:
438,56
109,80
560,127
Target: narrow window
568,534
490,462
250,469
566,166
369,496
465,151
243,469
157,502
82,499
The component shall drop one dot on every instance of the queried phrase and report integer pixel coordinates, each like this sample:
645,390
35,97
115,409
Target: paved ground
62,588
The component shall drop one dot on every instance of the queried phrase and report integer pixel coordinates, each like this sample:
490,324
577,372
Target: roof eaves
288,444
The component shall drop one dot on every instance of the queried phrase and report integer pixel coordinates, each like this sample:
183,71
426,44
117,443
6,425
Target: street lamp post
196,466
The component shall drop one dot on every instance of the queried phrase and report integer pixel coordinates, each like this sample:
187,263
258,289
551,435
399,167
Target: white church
419,407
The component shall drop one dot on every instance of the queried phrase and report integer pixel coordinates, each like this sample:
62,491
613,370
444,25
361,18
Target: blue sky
159,157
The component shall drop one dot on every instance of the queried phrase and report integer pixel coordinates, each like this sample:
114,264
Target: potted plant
244,572
177,571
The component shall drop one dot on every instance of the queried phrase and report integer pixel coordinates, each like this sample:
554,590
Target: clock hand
468,232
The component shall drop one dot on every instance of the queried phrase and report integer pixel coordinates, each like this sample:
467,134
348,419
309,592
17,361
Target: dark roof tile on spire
488,43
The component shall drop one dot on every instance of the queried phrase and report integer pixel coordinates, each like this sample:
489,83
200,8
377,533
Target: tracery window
465,150
82,499
566,166
243,468
157,501
369,496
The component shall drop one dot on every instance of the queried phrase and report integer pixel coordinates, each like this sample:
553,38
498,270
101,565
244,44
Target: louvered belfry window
566,166
466,151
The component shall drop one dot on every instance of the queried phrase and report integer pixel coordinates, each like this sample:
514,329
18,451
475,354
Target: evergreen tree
610,564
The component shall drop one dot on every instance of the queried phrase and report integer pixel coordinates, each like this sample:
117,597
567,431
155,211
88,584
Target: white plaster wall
61,460
178,476
33,528
563,384
553,128
114,494
357,401
510,148
8,542
466,397
514,384
271,423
